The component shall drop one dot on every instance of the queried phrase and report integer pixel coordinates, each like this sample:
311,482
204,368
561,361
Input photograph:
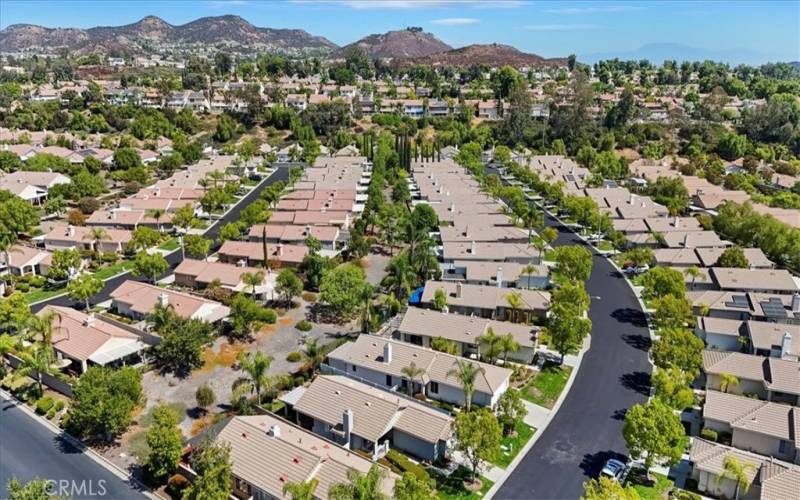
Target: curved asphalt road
280,174
614,375
28,450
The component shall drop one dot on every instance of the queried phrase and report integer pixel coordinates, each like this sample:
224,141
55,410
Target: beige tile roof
375,411
694,239
765,335
676,257
487,270
776,374
710,457
465,329
709,257
207,272
730,278
485,296
23,255
740,412
482,233
367,351
294,233
255,251
270,462
720,326
142,299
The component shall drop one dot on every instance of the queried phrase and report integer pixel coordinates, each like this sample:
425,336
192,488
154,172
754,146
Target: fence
146,337
50,381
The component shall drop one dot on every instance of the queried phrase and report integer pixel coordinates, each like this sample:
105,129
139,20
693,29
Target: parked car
615,469
637,269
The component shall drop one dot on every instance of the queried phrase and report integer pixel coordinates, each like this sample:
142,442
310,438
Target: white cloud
455,21
595,10
561,27
414,4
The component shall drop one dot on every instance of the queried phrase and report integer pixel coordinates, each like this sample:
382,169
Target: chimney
163,299
347,425
466,231
473,248
786,345
308,229
279,250
632,199
676,222
274,431
499,277
70,230
452,207
89,320
796,302
387,353
459,289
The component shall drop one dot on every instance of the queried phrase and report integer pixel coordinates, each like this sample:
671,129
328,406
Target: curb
96,457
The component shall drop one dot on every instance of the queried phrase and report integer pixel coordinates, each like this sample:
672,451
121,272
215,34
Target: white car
615,469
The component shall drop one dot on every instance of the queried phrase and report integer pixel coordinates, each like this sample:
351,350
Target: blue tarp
416,297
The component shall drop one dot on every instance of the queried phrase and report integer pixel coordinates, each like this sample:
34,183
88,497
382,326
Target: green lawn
171,244
452,487
512,445
605,246
108,272
547,385
41,294
658,491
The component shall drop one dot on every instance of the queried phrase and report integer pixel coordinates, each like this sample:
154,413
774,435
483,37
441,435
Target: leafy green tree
732,146
605,488
567,328
15,313
478,437
212,463
341,287
164,441
196,246
360,486
247,317
444,345
672,386
83,287
410,487
143,238
654,432
573,262
400,277
35,489
226,128
17,216
314,267
465,373
424,218
230,231
573,294
733,257
204,396
255,213
288,285
253,280
301,491
511,410
679,348
661,281
150,265
126,158
639,256
739,471
672,312
63,263
182,342
103,401
439,299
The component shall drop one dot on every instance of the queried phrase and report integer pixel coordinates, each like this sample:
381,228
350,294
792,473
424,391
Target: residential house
756,259
23,259
252,253
421,326
489,251
784,309
720,333
770,379
200,274
381,361
290,234
363,417
87,340
268,452
770,281
757,426
488,301
137,300
499,274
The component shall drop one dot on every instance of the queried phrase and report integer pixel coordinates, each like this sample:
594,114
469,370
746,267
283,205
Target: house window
354,368
404,384
389,380
783,447
434,388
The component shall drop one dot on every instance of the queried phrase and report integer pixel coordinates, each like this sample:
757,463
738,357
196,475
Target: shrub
37,281
303,326
404,464
109,257
709,434
679,494
44,404
88,205
175,486
51,414
309,296
294,357
23,287
59,405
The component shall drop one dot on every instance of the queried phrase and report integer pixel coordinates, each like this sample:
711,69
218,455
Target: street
29,450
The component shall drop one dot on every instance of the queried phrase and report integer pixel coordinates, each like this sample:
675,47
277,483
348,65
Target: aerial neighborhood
243,262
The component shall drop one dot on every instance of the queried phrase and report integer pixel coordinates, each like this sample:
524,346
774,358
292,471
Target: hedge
709,434
403,463
44,404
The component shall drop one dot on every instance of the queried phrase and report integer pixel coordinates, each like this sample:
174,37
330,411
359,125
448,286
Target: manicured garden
657,491
546,386
511,445
452,487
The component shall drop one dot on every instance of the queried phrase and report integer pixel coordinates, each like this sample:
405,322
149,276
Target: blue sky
766,30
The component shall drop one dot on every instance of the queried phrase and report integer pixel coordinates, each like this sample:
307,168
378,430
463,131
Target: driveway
28,450
614,375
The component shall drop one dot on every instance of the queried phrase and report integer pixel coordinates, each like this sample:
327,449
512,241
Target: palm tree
507,345
303,490
161,316
360,486
738,471
38,360
692,272
96,234
466,373
9,344
492,341
365,295
40,327
400,277
726,381
515,302
256,365
530,268
157,214
533,217
253,280
412,373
